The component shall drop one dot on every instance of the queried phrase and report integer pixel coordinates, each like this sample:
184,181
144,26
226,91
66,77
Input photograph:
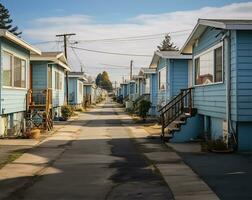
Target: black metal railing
179,105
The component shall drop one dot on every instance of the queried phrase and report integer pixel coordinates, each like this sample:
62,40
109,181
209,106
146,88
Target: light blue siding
132,88
178,76
13,100
39,75
154,94
75,97
244,136
39,80
190,131
210,99
244,75
208,39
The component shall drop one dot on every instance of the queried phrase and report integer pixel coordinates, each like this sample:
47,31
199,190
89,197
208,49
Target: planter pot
34,134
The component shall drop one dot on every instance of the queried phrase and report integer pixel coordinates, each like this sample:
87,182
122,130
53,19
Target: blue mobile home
14,82
89,92
48,74
170,76
75,89
222,78
145,86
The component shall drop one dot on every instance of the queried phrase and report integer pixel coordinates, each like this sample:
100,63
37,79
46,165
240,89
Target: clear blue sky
104,11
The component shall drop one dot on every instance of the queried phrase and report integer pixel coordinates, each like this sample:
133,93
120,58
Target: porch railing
179,105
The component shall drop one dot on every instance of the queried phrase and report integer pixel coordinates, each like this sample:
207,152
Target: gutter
230,130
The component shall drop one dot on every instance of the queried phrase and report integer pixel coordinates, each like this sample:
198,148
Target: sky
94,20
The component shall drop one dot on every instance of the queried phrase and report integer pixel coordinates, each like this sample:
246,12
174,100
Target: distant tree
167,45
98,79
6,21
103,81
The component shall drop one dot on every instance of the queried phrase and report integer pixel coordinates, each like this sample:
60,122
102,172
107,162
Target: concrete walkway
101,155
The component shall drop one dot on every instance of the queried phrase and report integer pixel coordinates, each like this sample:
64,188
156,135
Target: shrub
217,145
66,112
80,109
144,108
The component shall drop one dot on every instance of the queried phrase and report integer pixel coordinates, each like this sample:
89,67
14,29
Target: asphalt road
103,162
229,175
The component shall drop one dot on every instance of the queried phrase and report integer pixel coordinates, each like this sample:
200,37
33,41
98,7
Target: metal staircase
175,113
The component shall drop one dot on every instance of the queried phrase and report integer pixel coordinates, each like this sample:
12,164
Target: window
208,67
147,85
162,79
14,71
19,73
7,69
218,64
80,88
58,81
49,76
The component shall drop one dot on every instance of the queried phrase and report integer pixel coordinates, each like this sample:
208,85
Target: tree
167,45
6,22
98,79
103,81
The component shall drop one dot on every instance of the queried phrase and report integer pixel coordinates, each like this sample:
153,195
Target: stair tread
173,128
179,122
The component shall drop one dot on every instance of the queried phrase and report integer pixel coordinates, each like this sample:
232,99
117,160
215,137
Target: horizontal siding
13,100
154,93
58,95
178,76
210,100
233,75
72,90
39,75
208,39
244,75
79,95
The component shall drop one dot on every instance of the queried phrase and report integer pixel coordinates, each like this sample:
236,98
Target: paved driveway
229,175
103,162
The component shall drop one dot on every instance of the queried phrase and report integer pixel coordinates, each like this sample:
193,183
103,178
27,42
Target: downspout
227,45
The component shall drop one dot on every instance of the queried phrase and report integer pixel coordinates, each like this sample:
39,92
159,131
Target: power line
111,53
78,59
120,39
112,65
136,37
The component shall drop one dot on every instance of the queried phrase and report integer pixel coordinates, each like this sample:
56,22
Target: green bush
66,112
144,108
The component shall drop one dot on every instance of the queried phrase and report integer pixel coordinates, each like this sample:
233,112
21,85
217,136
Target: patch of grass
13,156
79,110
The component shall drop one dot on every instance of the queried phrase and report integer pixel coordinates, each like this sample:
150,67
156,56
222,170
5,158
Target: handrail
176,107
170,102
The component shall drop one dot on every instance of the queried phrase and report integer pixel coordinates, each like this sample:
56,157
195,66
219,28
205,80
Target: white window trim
12,73
50,65
220,44
62,76
162,69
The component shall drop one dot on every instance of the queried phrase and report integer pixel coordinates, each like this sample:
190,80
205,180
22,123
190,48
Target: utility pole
123,79
131,66
65,35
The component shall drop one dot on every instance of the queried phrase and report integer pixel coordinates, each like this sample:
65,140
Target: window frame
49,66
60,85
13,54
159,75
211,49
